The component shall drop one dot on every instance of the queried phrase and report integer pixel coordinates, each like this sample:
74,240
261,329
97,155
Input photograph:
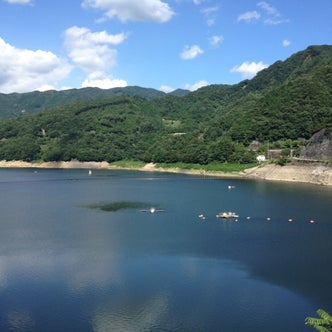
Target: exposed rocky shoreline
305,173
311,173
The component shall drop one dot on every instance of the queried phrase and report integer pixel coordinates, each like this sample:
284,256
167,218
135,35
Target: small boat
227,215
152,210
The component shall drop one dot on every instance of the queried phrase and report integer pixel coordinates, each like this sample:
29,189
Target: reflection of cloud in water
89,259
79,269
132,317
3,274
93,271
20,321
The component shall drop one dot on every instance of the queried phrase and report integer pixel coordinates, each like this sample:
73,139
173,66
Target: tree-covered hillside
283,106
16,104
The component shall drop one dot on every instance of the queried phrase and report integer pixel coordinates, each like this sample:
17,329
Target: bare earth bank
315,174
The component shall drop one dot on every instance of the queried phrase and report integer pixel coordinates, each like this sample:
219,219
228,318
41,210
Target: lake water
68,265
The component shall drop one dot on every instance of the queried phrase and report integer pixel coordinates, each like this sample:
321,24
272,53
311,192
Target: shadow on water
116,206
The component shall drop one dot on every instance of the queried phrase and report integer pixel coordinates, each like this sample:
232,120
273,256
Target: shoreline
310,173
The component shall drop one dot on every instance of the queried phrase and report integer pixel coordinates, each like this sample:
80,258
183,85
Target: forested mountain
16,104
283,106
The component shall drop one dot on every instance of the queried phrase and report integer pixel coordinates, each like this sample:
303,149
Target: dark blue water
68,265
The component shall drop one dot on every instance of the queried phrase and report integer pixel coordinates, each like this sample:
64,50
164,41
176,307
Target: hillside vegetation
282,107
15,104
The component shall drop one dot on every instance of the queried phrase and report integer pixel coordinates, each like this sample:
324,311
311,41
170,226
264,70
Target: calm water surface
65,266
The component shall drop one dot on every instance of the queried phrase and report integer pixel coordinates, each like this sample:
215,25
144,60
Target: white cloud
216,40
249,16
210,13
285,43
166,88
20,2
132,10
91,52
274,21
210,10
99,80
23,70
268,8
249,69
196,85
83,38
268,14
191,52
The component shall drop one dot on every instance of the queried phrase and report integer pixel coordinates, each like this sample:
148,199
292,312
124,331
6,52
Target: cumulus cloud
249,16
92,52
249,69
216,40
191,52
99,80
132,10
23,70
196,85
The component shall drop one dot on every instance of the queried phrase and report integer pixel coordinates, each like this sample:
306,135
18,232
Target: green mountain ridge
15,104
282,106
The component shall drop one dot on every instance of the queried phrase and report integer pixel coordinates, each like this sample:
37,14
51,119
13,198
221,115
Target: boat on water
227,215
152,210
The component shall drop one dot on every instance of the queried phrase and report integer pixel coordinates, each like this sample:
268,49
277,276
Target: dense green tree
322,324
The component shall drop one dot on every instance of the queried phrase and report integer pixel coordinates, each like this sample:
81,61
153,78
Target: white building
260,158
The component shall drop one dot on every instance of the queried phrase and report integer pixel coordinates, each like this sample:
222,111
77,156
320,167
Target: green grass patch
128,164
212,167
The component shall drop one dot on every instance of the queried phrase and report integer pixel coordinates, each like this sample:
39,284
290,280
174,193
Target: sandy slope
316,174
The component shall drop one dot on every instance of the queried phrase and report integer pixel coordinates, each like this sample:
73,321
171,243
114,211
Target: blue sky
160,44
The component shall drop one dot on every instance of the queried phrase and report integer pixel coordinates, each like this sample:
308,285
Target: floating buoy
248,218
268,219
311,221
290,220
90,172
